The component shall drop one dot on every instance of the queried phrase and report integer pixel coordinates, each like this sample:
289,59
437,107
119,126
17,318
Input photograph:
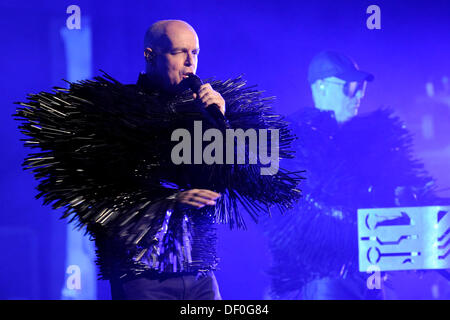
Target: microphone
194,83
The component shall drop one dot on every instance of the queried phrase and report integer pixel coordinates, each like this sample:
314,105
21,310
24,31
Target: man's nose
359,94
189,59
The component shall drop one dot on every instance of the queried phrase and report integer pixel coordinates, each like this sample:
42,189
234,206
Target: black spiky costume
105,159
356,164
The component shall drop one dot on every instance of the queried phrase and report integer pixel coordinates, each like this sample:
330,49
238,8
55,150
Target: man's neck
337,114
152,83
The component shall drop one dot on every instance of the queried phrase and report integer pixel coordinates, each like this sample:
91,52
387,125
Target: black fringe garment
103,155
357,164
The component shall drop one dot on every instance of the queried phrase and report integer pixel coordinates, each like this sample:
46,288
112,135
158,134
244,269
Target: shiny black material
105,158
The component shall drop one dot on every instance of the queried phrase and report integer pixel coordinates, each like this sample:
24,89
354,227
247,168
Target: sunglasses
351,88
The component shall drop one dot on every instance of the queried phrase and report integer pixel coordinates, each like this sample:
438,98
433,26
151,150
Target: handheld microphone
194,83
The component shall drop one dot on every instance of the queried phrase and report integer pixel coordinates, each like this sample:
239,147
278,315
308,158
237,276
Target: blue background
271,43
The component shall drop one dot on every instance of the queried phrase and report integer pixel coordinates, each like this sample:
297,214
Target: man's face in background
342,97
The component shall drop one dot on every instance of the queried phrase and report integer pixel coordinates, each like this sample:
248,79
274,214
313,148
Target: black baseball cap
333,64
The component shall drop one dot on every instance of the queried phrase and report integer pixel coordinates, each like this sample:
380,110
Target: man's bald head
171,50
160,33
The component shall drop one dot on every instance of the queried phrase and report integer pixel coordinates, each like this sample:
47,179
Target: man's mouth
185,75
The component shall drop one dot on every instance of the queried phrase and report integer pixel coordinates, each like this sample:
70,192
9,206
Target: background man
351,162
337,85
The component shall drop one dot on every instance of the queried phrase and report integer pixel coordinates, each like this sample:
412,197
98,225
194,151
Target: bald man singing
171,53
171,49
112,158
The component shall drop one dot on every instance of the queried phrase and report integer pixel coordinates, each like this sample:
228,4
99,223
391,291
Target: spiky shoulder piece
357,164
103,155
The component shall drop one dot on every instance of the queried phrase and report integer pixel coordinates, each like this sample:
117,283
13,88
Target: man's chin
353,111
172,86
180,86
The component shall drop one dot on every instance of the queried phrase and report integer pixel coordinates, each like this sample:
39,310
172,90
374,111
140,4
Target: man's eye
195,52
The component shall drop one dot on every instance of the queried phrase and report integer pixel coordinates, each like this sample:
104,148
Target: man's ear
320,87
148,54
